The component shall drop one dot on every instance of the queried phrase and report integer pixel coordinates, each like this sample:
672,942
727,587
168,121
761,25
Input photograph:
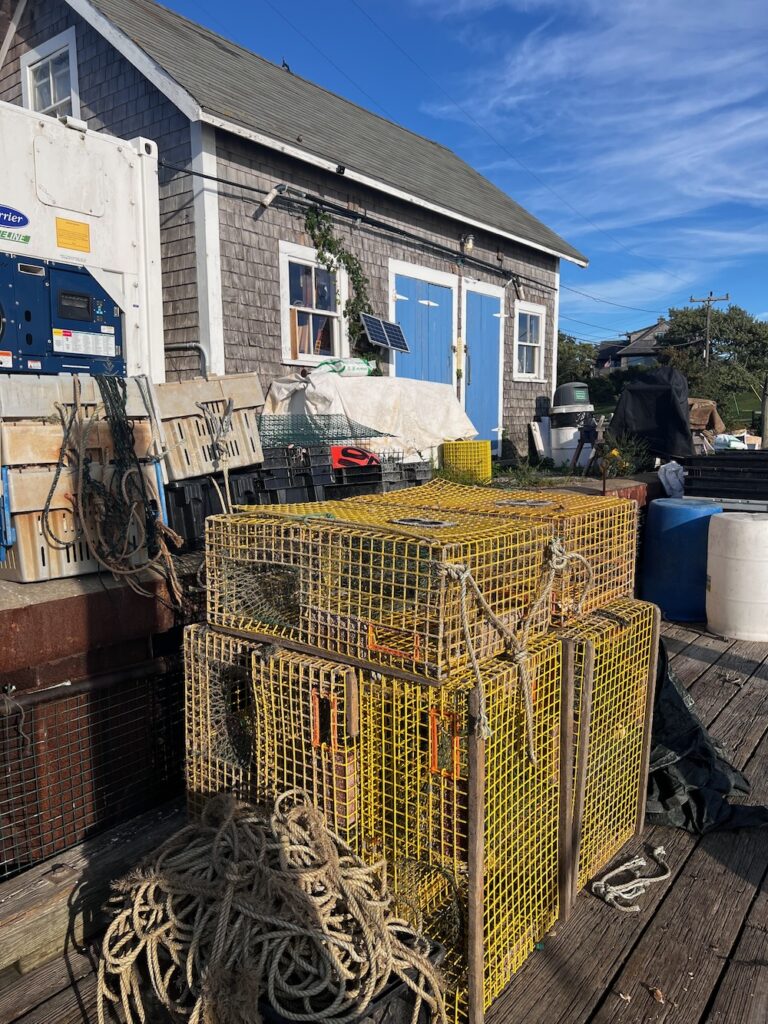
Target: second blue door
482,370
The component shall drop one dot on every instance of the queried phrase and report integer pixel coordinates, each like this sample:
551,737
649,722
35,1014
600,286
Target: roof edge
140,59
363,179
191,108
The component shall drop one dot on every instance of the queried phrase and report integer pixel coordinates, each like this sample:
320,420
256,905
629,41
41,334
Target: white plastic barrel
737,575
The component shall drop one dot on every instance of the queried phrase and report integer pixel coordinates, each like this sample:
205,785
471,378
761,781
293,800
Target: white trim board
536,309
306,254
208,245
141,60
555,329
65,40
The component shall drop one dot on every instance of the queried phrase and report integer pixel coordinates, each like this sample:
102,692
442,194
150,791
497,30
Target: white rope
624,895
558,560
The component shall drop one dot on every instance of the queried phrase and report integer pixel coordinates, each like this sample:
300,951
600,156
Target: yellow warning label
73,234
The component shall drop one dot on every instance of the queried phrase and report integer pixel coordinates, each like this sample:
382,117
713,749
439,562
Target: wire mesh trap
470,459
260,722
603,530
388,762
613,658
79,759
300,429
376,585
415,774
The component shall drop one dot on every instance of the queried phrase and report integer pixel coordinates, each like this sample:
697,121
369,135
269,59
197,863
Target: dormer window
49,77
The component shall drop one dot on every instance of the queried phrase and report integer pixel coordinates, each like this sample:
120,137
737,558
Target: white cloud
641,112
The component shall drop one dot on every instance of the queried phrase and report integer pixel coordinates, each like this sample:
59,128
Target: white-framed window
311,307
49,77
530,334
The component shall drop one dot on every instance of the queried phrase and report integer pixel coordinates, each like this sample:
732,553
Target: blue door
482,370
425,312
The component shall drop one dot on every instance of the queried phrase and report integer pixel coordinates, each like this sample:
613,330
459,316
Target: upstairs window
312,299
529,341
49,77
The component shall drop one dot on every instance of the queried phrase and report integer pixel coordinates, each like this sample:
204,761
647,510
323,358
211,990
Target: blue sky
637,129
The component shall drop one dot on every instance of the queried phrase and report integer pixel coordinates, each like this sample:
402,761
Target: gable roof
239,91
644,342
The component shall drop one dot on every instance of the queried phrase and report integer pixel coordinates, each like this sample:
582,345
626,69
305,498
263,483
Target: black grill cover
654,407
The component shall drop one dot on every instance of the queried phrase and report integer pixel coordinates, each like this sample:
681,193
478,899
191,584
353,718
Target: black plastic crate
247,488
188,504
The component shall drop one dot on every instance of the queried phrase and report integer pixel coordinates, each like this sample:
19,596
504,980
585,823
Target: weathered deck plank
696,926
742,997
567,981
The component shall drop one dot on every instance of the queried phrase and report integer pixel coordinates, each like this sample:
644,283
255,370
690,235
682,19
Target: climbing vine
332,254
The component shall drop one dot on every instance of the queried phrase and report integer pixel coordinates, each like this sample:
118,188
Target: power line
608,302
708,303
597,327
323,54
498,142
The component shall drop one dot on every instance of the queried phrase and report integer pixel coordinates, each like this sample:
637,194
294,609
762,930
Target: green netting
275,431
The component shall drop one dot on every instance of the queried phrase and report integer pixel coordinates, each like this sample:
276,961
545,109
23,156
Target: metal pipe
180,346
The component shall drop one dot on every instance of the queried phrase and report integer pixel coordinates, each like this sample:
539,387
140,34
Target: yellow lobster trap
259,723
470,459
601,530
614,654
472,830
417,593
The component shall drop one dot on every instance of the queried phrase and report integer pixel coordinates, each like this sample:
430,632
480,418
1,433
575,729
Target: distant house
643,347
636,348
606,358
246,148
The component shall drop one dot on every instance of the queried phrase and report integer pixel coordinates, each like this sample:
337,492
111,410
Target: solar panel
384,333
395,336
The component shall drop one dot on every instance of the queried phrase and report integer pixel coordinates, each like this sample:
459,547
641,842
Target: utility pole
708,303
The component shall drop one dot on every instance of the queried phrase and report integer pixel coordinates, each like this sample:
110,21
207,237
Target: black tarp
691,777
654,407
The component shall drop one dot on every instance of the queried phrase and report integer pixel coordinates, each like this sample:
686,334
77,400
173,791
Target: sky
636,129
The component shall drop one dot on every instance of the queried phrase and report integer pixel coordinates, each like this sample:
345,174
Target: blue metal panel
425,312
55,318
483,368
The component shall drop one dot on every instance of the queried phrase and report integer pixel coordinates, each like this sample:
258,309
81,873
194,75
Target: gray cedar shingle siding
250,272
240,87
116,98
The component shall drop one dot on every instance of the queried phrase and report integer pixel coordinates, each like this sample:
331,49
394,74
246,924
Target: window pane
301,336
322,335
325,289
534,323
526,359
300,284
41,86
60,72
65,107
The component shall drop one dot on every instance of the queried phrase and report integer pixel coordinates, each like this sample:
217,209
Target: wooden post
648,724
565,769
475,862
582,759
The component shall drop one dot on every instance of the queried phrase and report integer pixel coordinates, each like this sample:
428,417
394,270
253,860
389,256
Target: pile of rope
246,904
115,514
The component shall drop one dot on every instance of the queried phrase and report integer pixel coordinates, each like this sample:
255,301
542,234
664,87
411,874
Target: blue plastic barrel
674,573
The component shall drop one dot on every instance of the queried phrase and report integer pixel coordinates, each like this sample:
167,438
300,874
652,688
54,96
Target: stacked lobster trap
458,677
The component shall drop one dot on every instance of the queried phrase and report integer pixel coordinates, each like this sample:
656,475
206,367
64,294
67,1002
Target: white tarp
416,414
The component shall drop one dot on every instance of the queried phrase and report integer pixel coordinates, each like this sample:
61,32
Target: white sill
518,379
309,362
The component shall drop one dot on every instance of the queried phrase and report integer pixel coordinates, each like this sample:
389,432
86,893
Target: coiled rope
558,559
244,904
623,895
118,522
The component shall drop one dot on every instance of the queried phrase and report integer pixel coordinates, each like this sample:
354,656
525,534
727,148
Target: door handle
469,368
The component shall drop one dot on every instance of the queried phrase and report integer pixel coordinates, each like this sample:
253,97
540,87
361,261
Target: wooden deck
700,942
